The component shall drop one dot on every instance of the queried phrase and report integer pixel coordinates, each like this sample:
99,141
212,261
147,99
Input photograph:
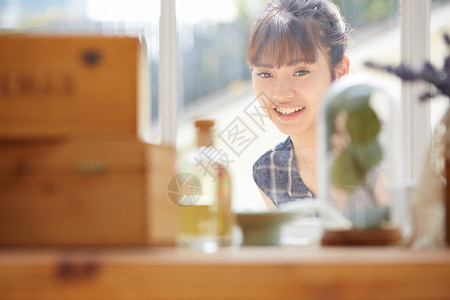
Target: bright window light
123,10
194,11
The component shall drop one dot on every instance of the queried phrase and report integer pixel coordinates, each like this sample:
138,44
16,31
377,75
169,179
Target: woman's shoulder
267,158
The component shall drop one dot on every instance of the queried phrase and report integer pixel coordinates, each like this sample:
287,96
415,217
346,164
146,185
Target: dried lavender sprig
428,95
446,67
440,79
446,37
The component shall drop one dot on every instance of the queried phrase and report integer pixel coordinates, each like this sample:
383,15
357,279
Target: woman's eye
264,75
301,73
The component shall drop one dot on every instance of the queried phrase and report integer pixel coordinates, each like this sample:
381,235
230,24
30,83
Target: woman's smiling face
291,95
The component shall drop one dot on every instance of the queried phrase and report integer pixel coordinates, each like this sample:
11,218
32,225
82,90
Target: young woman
296,49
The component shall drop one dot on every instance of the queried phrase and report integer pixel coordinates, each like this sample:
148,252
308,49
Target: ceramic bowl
263,228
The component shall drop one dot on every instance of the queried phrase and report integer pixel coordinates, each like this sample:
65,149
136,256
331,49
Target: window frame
415,116
415,45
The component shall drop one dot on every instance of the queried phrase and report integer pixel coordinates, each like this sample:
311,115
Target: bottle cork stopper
204,125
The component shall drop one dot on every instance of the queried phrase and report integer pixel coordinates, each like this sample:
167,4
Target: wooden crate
81,191
58,86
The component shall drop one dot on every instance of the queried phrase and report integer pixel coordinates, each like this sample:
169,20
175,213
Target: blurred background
213,78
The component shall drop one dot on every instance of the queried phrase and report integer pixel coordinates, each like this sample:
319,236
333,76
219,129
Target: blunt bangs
282,42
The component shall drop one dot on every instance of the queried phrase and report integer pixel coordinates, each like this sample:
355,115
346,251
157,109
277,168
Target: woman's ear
343,67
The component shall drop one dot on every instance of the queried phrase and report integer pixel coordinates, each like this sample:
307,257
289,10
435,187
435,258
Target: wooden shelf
233,273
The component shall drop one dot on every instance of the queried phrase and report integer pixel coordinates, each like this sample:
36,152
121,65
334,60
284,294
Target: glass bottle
205,217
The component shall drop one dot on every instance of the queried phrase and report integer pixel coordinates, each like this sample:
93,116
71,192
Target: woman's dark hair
288,30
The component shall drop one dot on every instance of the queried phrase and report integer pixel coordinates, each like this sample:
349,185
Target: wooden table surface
232,273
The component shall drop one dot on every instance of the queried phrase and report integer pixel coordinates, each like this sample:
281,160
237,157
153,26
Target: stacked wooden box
74,169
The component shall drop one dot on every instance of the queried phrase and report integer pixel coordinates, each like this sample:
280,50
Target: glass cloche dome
359,163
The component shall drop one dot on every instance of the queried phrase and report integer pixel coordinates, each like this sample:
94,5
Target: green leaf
363,125
367,155
353,99
350,168
344,174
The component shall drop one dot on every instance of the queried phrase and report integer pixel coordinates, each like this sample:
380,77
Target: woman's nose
283,91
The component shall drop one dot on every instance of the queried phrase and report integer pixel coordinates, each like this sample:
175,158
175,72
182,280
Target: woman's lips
289,113
289,110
